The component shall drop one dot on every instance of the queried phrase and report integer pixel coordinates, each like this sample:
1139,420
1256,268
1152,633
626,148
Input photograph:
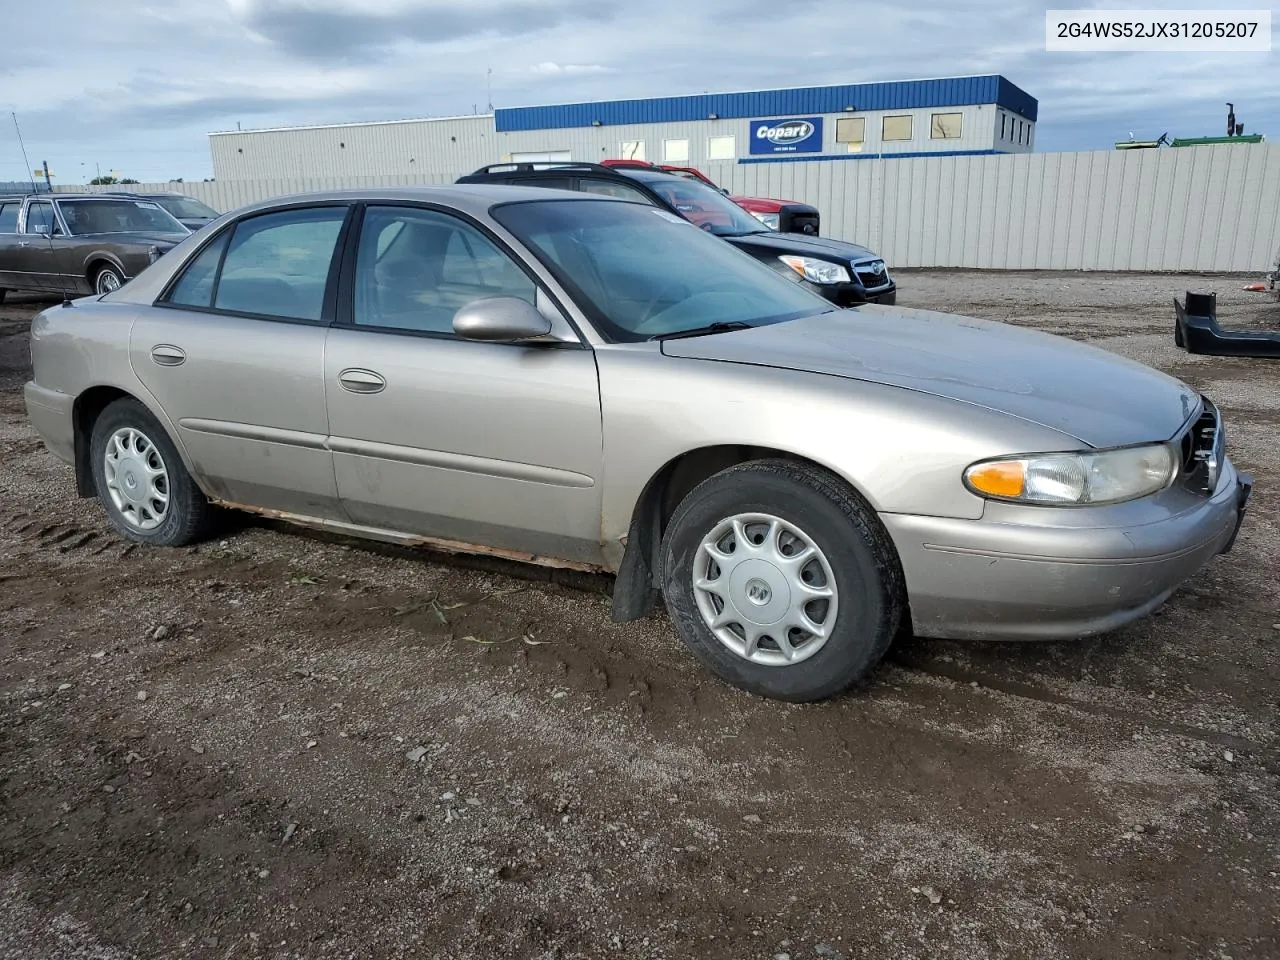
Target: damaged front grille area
1203,448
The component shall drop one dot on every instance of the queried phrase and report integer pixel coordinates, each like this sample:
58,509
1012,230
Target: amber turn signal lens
1001,479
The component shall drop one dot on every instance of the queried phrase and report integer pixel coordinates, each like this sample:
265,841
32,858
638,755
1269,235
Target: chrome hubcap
108,281
137,480
765,589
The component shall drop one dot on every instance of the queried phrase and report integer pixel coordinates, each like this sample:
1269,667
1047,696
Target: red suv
787,216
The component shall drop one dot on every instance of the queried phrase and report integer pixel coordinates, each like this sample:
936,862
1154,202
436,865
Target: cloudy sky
135,86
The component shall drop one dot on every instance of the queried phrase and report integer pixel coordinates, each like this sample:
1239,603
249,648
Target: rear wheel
141,480
781,580
107,278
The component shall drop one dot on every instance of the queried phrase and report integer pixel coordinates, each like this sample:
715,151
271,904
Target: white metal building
961,116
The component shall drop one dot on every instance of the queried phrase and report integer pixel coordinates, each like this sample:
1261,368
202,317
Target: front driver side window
416,268
40,218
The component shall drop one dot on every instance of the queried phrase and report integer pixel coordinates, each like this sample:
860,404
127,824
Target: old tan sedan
584,381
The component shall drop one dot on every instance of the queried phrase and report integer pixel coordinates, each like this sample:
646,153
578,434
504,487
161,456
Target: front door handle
167,355
24,243
361,381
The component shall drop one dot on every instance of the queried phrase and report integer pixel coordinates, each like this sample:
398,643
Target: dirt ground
280,745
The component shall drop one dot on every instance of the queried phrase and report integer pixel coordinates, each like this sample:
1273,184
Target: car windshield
706,207
85,217
641,272
188,208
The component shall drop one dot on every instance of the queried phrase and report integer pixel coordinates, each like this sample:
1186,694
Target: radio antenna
23,147
53,253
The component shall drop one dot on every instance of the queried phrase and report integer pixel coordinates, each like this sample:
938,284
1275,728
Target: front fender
127,265
902,450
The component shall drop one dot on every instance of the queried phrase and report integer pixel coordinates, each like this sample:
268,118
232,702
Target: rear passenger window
9,217
195,287
607,188
278,264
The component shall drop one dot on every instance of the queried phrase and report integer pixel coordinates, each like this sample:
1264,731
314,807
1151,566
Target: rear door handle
23,243
354,380
167,355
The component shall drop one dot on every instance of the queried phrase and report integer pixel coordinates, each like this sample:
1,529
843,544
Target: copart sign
788,135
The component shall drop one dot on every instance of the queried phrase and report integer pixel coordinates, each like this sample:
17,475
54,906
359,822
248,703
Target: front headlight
817,271
1085,478
770,220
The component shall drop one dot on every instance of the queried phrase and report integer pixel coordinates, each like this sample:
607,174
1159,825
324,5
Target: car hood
145,239
767,205
801,244
1090,394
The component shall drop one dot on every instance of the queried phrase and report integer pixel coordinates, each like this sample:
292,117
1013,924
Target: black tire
102,275
1177,335
3,293
189,516
865,565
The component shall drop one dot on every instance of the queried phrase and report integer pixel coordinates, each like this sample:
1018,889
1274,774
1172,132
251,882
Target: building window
946,126
547,156
1004,121
675,151
631,150
851,131
896,128
721,148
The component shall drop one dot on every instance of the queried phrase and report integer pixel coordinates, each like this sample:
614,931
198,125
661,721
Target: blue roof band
798,101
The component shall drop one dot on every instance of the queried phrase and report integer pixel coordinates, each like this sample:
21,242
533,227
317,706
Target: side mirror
500,320
725,191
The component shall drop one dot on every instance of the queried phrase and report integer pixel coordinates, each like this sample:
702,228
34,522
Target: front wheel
107,279
781,580
141,480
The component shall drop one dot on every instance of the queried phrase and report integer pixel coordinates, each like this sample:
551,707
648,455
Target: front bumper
978,579
51,413
852,294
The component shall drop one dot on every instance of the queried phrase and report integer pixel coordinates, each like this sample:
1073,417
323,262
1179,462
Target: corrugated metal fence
1212,208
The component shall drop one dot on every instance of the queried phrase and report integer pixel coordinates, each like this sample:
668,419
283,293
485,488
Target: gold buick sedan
589,382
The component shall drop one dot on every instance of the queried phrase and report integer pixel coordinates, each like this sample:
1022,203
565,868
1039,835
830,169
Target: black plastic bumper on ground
1196,330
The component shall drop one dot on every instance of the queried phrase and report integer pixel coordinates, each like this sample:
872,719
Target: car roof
90,196
567,169
474,198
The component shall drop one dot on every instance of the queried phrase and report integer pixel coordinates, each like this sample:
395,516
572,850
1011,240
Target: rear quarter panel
86,345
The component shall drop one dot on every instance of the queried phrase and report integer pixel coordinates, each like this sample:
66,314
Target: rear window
9,217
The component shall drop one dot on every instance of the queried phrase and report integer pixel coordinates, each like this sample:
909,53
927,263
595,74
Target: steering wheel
653,301
723,286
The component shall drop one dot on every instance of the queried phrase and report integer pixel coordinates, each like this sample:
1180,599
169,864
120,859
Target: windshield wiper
718,327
